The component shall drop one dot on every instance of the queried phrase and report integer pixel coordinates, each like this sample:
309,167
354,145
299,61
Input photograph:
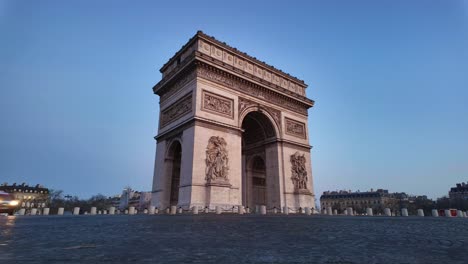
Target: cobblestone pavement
232,239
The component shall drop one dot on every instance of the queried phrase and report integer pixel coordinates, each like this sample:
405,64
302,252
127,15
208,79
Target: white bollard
262,209
464,214
345,212
195,210
247,210
179,211
136,211
93,210
104,212
459,213
145,211
151,210
404,212
285,210
126,211
435,213
349,211
257,209
307,211
206,210
173,210
111,210
329,211
240,209
131,210
76,211
447,213
335,212
22,211
168,210
99,212
369,212
33,211
275,210
420,212
60,211
45,211
156,210
387,212
117,211
218,210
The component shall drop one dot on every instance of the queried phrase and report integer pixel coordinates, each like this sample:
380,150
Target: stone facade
359,201
232,131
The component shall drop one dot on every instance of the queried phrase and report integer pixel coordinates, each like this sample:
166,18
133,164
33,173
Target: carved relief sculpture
295,128
217,160
299,172
218,104
176,110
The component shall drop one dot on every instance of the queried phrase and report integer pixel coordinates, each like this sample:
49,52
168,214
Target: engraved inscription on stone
217,166
299,172
176,110
295,128
218,104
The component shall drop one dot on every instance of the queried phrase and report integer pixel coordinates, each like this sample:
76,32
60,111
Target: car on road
8,203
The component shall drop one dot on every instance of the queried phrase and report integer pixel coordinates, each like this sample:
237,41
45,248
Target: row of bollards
260,209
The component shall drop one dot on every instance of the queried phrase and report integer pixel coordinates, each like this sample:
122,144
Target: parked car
8,204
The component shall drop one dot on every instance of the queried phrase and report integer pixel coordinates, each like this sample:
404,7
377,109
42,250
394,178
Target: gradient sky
390,81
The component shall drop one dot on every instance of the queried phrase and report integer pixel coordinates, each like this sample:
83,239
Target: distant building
359,201
459,192
30,196
139,200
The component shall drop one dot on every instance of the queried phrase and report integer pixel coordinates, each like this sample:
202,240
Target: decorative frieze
218,104
295,128
249,88
179,84
299,172
245,65
217,161
176,110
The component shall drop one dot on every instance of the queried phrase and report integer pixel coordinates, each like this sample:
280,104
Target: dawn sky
390,81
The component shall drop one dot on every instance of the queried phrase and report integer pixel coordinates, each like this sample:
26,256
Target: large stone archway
241,126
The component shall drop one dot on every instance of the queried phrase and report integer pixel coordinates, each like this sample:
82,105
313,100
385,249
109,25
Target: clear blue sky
390,81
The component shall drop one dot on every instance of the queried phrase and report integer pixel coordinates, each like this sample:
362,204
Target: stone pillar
435,213
195,210
111,210
131,210
349,211
285,210
404,212
76,211
387,212
307,210
93,210
420,212
448,213
60,211
262,209
33,211
329,211
45,211
173,210
22,211
369,212
218,209
151,210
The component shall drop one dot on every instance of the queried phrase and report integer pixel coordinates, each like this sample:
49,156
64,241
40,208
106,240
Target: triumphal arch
232,131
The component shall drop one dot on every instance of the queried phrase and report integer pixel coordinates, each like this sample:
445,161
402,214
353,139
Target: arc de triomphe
232,131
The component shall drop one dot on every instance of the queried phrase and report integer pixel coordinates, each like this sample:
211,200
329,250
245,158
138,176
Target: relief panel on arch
217,104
